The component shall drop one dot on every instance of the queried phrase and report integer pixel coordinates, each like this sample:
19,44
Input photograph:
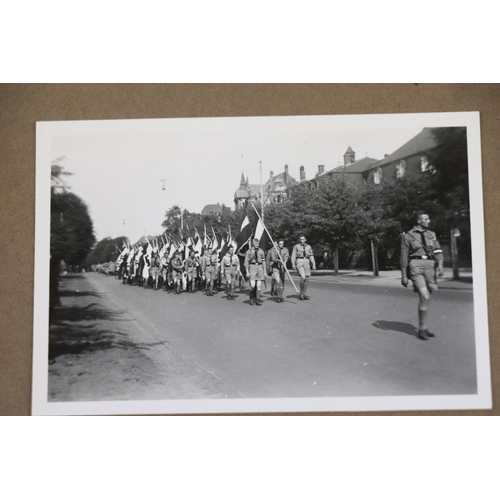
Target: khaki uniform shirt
255,256
302,251
230,261
274,256
418,243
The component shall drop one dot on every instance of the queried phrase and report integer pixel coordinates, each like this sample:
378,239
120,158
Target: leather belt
422,257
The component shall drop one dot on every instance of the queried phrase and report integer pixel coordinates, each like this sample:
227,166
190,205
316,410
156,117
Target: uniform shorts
192,272
155,272
230,274
422,274
211,272
303,267
256,272
176,275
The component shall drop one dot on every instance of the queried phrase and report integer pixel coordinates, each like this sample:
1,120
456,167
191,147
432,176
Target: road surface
350,339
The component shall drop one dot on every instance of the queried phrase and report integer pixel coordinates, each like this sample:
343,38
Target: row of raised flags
168,245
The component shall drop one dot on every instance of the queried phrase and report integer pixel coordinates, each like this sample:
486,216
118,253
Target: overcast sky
119,176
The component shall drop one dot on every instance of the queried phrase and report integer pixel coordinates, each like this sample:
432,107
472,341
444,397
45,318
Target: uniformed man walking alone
277,257
302,260
421,260
255,259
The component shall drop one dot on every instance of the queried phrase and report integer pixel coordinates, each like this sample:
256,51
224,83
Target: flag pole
274,245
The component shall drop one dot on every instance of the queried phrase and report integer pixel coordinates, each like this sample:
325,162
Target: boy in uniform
421,257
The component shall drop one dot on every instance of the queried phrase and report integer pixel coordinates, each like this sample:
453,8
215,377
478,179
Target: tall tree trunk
374,257
54,297
335,257
454,254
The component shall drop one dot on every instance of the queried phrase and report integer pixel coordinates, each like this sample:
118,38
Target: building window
425,166
377,176
400,169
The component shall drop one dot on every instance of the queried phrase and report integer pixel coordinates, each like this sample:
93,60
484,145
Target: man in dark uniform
255,260
277,257
421,257
302,260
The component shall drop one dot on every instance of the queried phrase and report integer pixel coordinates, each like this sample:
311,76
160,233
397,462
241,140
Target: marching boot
231,292
301,296
273,289
257,300
422,335
306,297
212,289
252,292
280,294
228,292
178,288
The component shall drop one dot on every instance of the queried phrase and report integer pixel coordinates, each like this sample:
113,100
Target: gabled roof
422,142
285,179
212,209
354,168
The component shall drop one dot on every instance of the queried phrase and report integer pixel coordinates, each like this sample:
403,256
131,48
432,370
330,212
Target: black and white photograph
260,264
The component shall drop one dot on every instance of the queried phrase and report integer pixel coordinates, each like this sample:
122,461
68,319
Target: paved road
348,340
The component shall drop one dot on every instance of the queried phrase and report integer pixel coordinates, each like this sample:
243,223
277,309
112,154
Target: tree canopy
71,228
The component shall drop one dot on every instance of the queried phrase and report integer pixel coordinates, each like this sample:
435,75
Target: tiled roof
353,168
422,142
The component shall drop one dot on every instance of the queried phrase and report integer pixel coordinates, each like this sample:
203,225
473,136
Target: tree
106,250
71,229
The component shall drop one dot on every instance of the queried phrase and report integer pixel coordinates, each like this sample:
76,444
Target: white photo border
45,131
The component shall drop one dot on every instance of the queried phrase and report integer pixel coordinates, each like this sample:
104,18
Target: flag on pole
197,237
244,235
207,242
215,243
262,236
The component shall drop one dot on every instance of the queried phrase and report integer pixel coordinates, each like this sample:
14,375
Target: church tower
349,156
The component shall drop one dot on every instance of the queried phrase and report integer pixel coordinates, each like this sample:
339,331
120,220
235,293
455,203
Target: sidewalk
391,278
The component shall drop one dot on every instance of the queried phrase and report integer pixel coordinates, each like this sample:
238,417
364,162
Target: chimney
302,174
386,155
321,169
286,173
271,176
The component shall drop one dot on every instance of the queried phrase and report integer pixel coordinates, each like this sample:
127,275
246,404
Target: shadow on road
75,339
396,326
89,312
82,327
75,293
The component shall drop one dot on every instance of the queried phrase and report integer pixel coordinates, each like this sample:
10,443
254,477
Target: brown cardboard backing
22,105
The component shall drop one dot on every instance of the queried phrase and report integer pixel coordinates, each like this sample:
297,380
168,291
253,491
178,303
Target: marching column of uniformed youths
421,263
206,272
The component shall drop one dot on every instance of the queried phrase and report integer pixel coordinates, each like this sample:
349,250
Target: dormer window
377,176
400,169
